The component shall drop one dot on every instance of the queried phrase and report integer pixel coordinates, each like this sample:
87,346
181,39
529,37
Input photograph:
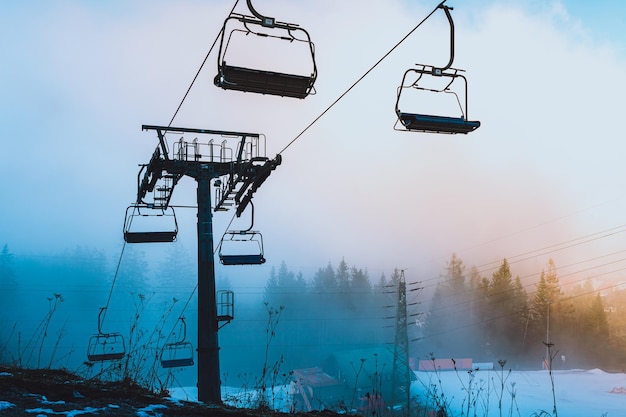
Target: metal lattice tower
401,383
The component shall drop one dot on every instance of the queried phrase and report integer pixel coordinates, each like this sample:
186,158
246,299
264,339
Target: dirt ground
42,392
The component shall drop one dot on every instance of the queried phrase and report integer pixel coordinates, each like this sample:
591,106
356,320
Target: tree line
299,321
497,317
486,318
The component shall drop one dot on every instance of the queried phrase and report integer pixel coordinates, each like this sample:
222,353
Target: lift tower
237,165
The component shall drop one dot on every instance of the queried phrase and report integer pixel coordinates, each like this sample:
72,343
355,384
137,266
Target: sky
544,170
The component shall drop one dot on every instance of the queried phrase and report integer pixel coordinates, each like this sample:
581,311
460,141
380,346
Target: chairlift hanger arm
101,319
153,172
184,329
266,21
271,22
446,10
145,184
251,217
259,179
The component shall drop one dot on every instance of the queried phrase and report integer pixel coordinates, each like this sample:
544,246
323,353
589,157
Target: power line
543,251
606,233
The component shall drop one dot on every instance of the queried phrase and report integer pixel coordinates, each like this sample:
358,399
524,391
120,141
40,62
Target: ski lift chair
423,122
241,247
105,346
178,354
256,80
137,233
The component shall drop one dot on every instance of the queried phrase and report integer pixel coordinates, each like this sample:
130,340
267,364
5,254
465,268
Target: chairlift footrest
150,237
242,259
176,363
437,124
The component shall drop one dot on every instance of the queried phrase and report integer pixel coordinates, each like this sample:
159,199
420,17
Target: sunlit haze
542,178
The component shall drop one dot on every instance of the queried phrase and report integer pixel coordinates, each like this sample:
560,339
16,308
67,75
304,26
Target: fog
541,179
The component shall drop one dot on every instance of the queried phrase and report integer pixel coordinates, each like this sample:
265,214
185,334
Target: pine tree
342,277
7,272
359,280
521,318
448,317
506,301
271,288
382,282
548,295
284,288
395,277
546,318
597,321
325,280
478,290
8,283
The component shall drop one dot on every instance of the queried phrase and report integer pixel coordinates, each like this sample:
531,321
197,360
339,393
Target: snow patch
88,410
149,410
72,413
5,404
45,401
40,410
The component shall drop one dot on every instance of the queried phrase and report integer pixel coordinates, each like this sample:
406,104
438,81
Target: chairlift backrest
177,354
259,78
243,247
106,347
144,224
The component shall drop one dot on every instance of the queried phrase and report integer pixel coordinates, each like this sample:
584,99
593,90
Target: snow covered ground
578,393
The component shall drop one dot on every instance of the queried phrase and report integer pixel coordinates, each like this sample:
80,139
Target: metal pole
548,359
208,348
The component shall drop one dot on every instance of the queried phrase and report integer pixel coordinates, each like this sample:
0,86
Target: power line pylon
237,171
401,383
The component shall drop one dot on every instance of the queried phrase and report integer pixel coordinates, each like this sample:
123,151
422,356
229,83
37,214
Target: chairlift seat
141,233
437,124
150,237
256,259
101,357
177,355
264,82
176,363
106,347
